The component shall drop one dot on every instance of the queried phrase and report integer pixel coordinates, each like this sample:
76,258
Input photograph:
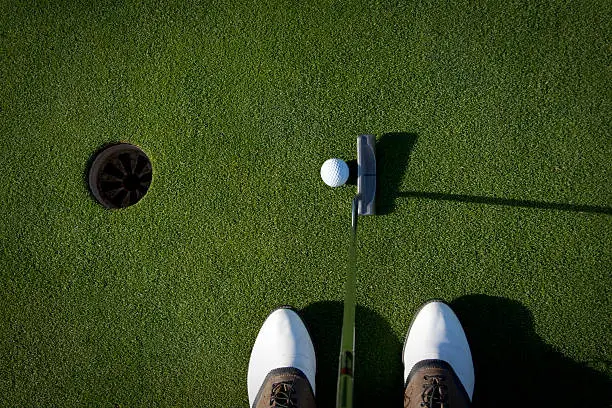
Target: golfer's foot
438,367
283,365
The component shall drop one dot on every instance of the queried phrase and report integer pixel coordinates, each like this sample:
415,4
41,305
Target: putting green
493,127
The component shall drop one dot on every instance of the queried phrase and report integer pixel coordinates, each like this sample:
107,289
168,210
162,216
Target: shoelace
282,395
434,392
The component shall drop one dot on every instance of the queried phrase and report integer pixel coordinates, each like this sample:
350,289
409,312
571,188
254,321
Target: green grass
238,106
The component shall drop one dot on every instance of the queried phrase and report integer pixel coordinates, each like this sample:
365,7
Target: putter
363,204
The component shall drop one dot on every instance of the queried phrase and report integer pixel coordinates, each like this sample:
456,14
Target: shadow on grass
378,364
515,368
392,156
506,202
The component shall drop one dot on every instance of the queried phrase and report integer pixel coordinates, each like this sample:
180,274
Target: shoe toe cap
283,341
437,334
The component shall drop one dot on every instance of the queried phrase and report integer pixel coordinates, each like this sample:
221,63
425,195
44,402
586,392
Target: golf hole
120,175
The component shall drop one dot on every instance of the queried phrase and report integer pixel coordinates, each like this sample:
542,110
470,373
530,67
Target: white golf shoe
438,367
282,367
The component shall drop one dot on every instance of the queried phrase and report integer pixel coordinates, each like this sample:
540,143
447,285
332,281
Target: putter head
366,174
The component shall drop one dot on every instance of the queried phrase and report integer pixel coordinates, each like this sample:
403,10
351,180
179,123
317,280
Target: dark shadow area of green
515,368
506,201
392,156
378,360
352,165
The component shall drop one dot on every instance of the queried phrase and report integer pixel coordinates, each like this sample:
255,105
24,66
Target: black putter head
366,174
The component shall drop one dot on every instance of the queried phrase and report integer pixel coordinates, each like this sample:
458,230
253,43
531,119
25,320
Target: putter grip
344,396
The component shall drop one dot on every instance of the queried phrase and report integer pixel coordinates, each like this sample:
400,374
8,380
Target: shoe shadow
515,368
378,363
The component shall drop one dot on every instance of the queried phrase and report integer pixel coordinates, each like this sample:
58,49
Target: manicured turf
493,122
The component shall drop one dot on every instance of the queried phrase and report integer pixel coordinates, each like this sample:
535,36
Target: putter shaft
344,396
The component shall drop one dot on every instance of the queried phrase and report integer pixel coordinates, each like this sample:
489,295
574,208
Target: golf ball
334,172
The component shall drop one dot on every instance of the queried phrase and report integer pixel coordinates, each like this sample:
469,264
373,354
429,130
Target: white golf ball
334,172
